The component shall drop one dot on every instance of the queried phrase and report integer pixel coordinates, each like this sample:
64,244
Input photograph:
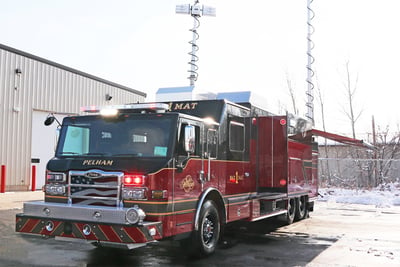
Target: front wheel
207,236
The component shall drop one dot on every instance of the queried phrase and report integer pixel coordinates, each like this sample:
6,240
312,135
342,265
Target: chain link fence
357,173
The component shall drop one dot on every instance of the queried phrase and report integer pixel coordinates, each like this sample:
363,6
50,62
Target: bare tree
350,84
321,101
350,91
350,94
292,94
388,149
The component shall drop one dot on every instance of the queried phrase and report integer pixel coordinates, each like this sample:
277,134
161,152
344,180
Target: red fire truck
133,174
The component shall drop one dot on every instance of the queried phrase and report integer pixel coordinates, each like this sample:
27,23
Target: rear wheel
291,211
301,208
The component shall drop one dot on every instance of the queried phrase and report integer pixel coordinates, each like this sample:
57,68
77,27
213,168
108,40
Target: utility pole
196,11
375,156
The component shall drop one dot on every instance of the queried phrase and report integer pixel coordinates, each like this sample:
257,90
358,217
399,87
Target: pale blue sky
249,45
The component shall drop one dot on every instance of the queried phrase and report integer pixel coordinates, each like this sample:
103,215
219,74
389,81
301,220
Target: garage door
43,143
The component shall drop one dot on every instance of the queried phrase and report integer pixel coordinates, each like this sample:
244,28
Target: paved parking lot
15,200
335,235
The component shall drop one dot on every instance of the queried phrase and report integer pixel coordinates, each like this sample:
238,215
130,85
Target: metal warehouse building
30,88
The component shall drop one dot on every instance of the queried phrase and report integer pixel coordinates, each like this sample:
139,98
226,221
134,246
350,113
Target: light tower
196,11
310,61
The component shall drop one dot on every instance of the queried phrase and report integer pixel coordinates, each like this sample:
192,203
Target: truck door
272,153
210,154
188,173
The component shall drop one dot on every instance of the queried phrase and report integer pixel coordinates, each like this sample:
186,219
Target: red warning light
282,122
135,180
282,182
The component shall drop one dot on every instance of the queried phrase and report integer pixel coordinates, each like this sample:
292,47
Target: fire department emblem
235,178
187,184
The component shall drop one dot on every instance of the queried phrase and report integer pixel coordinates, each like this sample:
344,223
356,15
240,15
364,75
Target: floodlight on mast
196,11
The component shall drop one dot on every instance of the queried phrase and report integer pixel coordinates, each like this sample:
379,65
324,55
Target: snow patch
383,196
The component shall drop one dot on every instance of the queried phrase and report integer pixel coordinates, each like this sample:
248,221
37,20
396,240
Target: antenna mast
310,61
196,11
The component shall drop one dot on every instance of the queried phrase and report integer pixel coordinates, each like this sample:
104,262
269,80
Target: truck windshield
128,135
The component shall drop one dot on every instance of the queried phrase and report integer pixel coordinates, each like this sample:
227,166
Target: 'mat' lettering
184,106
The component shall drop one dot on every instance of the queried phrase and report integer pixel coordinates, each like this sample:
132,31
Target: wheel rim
291,207
208,230
302,206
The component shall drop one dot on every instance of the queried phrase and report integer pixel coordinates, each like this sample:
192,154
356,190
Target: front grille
94,187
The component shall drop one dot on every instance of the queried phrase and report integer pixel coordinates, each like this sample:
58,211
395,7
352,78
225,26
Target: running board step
269,215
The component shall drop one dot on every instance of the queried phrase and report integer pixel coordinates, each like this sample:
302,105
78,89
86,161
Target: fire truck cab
137,173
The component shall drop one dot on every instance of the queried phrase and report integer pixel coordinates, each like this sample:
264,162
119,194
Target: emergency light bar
115,109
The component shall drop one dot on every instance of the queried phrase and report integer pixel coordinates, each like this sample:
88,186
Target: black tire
301,208
291,211
207,236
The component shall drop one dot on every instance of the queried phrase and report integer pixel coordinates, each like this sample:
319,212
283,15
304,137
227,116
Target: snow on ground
383,196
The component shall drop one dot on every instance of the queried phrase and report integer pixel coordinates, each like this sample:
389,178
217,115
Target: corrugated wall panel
45,86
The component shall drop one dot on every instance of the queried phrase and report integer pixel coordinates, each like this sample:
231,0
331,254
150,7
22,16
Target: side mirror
190,137
50,119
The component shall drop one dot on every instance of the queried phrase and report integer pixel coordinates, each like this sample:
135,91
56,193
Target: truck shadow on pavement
261,243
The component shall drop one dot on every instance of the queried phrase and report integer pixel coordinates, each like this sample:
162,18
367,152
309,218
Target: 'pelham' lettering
97,162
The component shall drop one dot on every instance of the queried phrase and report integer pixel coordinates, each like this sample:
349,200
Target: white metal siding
47,87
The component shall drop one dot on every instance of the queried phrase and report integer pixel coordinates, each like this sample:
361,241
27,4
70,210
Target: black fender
216,196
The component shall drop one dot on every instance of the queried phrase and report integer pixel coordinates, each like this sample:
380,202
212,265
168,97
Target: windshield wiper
96,154
69,153
127,155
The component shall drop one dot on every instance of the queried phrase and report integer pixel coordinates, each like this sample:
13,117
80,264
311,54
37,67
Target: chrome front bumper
85,213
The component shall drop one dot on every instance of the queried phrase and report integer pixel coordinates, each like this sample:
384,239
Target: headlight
56,177
134,193
55,189
135,215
